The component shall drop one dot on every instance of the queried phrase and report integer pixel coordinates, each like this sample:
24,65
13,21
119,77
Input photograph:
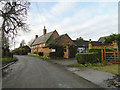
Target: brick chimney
44,31
36,36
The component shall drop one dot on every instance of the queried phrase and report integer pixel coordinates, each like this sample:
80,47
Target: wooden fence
113,57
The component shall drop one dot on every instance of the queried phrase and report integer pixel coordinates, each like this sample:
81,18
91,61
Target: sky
89,20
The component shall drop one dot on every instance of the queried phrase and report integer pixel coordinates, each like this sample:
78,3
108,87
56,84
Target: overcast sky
89,20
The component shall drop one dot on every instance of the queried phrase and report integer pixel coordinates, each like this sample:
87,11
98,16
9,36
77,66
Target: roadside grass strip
108,67
6,59
113,68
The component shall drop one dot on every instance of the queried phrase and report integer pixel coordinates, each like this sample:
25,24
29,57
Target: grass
33,55
113,68
43,57
77,65
106,67
7,59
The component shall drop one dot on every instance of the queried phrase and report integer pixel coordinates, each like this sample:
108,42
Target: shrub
84,58
40,53
98,51
21,50
73,51
45,57
35,52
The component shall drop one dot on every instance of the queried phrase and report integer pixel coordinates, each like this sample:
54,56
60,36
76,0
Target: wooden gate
112,56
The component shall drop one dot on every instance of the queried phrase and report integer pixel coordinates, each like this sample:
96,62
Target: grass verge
6,60
43,57
113,68
106,67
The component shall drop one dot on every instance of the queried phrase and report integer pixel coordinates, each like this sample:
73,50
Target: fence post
102,54
105,53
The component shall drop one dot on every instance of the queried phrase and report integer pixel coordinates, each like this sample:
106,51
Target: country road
33,72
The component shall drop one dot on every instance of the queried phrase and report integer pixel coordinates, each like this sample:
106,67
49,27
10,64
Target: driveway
33,72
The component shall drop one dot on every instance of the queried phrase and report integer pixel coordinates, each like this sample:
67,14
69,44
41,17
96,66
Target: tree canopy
80,39
113,37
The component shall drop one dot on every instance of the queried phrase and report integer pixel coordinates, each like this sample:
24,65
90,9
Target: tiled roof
55,41
96,43
101,39
81,43
43,38
86,43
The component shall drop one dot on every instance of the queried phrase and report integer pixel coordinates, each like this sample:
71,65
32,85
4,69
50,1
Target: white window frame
53,50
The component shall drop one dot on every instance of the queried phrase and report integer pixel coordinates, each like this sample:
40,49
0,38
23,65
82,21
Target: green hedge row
98,51
6,52
84,58
21,50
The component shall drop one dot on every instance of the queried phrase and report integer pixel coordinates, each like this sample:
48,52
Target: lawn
113,68
108,67
6,60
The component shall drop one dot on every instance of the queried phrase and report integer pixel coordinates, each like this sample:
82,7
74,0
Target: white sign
53,50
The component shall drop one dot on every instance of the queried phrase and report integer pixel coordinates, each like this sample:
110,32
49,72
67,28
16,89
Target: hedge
98,51
84,58
6,52
21,50
73,51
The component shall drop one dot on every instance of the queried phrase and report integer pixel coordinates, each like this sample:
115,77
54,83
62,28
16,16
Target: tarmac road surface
33,72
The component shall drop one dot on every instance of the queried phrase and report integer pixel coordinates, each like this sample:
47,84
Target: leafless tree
14,15
22,43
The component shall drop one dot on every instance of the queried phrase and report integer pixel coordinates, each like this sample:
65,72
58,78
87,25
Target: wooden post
102,54
105,53
114,57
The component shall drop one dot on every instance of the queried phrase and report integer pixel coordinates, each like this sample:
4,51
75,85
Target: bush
84,58
45,57
35,52
40,53
98,51
73,51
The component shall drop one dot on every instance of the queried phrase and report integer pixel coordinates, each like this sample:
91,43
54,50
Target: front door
66,52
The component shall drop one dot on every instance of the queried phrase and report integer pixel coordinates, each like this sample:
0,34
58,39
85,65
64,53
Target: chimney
44,31
36,36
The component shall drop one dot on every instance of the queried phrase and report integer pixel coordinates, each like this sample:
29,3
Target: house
63,42
48,41
102,39
83,46
40,42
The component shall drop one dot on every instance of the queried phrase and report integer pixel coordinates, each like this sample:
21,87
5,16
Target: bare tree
22,43
13,14
30,42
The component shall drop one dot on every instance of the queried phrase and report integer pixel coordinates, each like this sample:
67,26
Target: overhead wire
38,9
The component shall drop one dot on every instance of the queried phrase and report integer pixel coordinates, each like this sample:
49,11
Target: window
43,44
65,50
53,50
